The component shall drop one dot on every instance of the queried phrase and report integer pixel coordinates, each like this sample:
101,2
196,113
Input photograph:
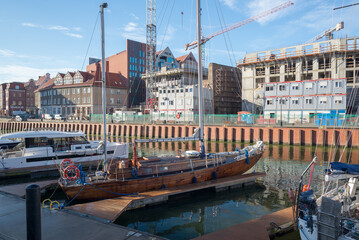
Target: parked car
48,117
59,117
18,118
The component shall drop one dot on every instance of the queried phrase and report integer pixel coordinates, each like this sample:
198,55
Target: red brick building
13,98
131,63
30,87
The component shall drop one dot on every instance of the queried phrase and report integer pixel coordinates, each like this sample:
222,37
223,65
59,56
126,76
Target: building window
118,100
190,89
308,85
73,91
78,100
323,85
269,88
84,90
64,101
170,102
308,101
186,90
338,84
295,87
88,100
68,91
269,101
338,100
78,91
58,101
322,100
118,92
88,90
17,87
112,91
83,100
20,103
111,101
295,101
281,87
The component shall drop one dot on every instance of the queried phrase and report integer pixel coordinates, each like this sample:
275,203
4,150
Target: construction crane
193,44
328,33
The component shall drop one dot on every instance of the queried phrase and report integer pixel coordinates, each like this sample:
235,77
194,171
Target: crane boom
237,25
328,32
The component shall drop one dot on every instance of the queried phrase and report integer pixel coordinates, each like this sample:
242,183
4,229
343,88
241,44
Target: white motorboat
43,150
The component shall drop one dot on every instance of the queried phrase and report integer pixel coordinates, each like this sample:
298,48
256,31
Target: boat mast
103,6
200,98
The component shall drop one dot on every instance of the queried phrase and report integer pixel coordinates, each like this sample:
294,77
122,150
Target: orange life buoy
65,163
305,188
69,169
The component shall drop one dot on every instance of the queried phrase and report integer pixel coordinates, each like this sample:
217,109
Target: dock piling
33,212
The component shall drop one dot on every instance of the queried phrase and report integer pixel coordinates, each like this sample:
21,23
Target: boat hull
114,188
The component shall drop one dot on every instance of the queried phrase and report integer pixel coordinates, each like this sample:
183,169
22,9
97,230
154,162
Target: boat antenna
200,98
103,6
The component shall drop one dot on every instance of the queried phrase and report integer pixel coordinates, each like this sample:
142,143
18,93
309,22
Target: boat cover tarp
347,168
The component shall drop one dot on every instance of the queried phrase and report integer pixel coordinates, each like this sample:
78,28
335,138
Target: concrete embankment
314,136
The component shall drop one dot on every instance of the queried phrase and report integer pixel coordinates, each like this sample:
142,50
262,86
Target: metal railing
317,120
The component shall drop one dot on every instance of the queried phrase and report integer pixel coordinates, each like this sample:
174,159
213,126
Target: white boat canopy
47,134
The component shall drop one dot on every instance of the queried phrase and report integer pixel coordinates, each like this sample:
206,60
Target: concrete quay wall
276,135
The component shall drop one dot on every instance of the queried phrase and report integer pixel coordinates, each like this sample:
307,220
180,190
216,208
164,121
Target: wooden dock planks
20,189
256,229
111,209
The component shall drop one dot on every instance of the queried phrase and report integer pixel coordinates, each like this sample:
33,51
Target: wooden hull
107,189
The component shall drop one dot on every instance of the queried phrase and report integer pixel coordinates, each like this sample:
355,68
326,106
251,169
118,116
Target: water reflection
208,212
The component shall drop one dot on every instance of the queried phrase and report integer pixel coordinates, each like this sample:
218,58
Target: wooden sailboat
130,176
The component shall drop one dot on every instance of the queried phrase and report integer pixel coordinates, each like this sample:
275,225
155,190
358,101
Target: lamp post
281,100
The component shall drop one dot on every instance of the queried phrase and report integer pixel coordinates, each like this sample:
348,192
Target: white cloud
75,35
62,29
11,73
6,53
134,32
29,25
229,3
134,16
59,28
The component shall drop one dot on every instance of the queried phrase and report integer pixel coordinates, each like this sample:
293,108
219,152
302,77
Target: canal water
205,212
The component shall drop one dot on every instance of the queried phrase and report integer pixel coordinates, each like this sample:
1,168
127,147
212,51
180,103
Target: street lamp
281,101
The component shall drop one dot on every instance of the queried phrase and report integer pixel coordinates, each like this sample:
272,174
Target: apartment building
180,103
336,58
131,64
12,98
30,87
79,94
302,100
225,82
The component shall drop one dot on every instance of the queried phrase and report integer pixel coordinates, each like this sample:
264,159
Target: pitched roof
46,85
159,52
41,80
181,58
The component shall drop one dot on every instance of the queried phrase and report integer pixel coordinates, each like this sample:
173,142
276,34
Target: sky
41,36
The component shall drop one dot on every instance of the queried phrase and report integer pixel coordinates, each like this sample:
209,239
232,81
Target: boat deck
111,209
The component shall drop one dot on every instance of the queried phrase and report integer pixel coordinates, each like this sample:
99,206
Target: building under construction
226,86
335,58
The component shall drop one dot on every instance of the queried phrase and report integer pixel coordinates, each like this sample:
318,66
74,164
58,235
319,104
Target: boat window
37,142
78,140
